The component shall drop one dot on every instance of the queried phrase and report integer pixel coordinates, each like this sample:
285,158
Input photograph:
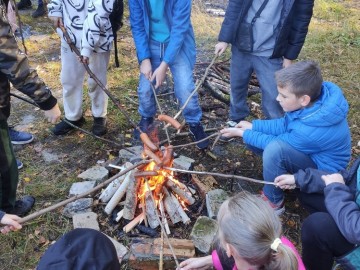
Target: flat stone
214,199
86,220
97,173
121,250
131,153
183,163
203,233
81,187
79,206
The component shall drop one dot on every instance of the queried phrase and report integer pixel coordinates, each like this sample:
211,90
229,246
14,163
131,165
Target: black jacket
294,21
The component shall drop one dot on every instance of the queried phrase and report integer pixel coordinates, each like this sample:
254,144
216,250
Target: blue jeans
241,67
281,158
182,74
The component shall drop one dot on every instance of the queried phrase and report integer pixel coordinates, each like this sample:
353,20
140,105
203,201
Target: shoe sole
23,142
20,167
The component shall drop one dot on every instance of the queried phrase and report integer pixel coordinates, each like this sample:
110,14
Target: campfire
152,193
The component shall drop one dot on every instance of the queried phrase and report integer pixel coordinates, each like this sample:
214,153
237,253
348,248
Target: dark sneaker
230,123
24,4
22,206
144,125
99,126
197,133
19,164
40,11
279,207
63,128
18,137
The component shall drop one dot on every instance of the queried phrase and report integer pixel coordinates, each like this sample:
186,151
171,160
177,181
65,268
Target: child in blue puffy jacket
313,133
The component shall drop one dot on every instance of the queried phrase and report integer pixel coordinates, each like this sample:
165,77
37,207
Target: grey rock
81,187
214,199
203,233
86,220
97,173
183,163
82,205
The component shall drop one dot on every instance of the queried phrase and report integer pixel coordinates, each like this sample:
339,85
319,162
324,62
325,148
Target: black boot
40,11
99,126
62,128
22,206
24,4
198,135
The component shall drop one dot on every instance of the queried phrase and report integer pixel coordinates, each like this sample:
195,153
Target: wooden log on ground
184,217
145,252
119,194
170,207
216,93
113,186
204,183
151,211
184,195
131,199
134,222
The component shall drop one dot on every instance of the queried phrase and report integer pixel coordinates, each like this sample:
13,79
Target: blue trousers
241,67
182,74
281,158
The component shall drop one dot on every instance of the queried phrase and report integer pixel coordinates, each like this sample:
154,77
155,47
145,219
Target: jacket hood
330,108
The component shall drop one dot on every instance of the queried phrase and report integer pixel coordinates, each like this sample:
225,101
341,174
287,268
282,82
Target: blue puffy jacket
181,32
320,131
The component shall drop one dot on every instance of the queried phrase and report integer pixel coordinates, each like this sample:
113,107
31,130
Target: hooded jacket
87,23
294,21
342,201
320,131
181,32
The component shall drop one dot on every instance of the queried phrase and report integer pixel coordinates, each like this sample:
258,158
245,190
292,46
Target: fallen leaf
27,179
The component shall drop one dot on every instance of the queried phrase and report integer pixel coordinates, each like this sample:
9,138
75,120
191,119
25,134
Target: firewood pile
217,83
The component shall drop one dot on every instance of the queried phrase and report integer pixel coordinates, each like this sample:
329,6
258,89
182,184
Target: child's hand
220,48
333,178
196,263
57,21
232,132
159,74
145,68
11,222
285,181
244,125
53,115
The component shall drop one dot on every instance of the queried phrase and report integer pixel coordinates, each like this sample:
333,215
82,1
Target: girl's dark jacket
14,68
294,21
340,199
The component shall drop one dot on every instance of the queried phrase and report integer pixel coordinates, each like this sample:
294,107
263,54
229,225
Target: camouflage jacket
14,68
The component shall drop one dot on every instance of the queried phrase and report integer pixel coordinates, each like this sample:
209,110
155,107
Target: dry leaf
37,232
42,240
27,179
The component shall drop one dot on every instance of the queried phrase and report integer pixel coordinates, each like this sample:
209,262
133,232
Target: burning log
131,199
151,211
119,193
171,207
184,217
111,189
184,195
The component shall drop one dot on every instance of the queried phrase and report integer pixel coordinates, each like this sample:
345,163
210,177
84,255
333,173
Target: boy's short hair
302,78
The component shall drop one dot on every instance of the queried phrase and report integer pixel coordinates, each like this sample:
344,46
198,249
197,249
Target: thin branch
192,143
76,197
223,175
196,88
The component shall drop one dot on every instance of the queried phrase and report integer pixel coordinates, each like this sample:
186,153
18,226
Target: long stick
196,88
223,175
100,186
70,124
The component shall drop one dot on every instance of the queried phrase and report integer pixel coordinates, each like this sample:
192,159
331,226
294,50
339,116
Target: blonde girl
250,233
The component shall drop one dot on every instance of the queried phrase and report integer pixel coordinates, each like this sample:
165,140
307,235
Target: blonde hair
250,226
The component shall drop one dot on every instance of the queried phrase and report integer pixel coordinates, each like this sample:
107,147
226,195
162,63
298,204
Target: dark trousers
322,242
8,169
